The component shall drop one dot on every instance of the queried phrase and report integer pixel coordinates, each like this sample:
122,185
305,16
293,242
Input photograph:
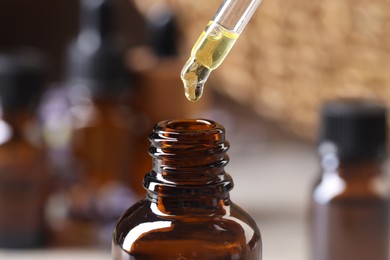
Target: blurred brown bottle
97,80
187,213
157,69
24,179
350,206
101,136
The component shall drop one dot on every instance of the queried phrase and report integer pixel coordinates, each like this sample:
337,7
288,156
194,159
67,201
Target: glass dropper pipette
215,43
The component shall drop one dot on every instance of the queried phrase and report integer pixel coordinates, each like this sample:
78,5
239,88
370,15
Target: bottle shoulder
77,106
140,225
332,187
243,216
146,211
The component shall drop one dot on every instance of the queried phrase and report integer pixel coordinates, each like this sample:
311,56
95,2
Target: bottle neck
189,157
365,168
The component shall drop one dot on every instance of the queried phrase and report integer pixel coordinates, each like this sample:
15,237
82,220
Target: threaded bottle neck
188,158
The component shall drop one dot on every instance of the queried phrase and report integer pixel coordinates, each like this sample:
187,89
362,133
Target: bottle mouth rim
190,125
185,132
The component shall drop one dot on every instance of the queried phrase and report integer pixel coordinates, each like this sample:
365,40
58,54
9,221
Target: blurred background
107,71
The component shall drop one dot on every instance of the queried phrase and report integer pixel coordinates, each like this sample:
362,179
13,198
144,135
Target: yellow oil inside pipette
207,54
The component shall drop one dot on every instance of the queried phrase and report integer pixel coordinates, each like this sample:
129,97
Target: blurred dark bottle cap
356,127
22,79
163,31
95,58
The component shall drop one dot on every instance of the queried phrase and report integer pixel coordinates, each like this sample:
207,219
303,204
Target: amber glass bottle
350,207
24,179
187,213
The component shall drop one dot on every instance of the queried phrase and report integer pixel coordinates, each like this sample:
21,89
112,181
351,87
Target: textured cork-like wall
294,54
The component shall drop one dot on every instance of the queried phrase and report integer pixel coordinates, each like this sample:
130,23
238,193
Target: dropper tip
192,98
194,76
193,93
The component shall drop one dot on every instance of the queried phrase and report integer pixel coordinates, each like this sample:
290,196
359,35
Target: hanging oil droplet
194,76
207,54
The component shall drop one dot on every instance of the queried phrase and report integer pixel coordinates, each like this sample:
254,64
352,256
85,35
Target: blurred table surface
272,173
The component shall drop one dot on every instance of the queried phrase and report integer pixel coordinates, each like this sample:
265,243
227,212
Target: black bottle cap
163,31
356,127
22,79
95,58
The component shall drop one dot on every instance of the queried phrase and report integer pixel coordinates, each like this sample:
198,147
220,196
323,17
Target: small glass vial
350,206
24,177
187,212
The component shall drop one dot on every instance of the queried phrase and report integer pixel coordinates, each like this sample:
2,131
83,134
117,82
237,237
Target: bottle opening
184,131
189,125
